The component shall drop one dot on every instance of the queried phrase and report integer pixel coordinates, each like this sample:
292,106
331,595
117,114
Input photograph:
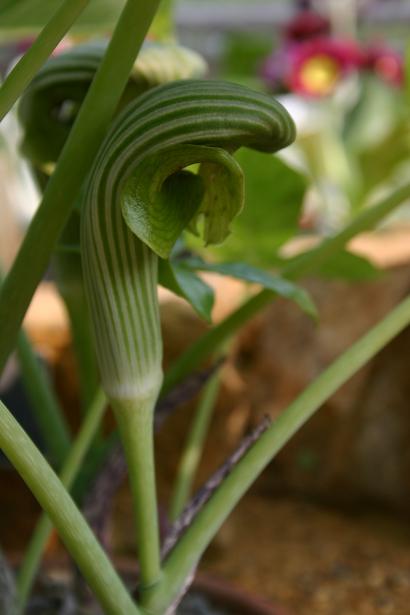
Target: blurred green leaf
26,17
376,114
274,195
280,286
378,164
377,134
183,281
348,266
245,52
343,265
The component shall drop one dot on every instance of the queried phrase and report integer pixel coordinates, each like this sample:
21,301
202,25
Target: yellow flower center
319,75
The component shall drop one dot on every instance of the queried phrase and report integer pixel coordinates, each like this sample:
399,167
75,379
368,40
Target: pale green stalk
69,472
192,452
74,164
183,559
52,33
65,516
135,423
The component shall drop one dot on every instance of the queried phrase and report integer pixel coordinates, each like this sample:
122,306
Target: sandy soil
315,561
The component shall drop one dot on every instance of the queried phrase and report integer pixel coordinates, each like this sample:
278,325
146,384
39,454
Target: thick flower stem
135,422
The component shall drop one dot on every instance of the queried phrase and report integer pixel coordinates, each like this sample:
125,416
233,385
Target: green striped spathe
49,106
120,270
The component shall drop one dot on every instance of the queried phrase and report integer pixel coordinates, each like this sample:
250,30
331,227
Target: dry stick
203,495
201,498
193,448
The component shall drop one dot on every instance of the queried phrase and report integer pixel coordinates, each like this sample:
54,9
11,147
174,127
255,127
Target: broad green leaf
27,17
348,266
274,195
343,265
280,286
186,284
381,163
375,116
377,134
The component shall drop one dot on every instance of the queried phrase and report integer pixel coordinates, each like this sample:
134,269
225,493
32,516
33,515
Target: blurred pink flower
65,44
276,68
386,63
317,66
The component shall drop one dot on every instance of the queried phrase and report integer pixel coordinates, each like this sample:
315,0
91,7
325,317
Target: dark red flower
305,26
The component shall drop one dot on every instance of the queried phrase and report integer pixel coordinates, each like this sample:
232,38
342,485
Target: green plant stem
135,423
47,411
304,264
204,527
65,516
73,165
193,448
72,465
52,33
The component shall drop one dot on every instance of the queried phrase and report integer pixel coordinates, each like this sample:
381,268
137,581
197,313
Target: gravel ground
313,560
